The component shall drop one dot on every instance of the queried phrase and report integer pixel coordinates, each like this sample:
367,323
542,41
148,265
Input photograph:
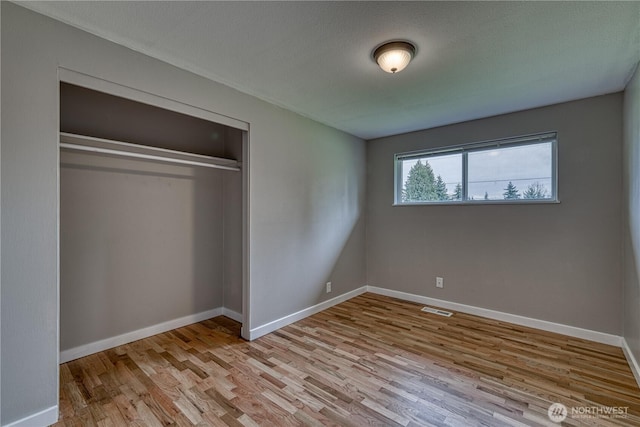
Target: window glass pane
517,172
431,179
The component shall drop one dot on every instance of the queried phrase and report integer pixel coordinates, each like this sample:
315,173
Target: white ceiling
474,59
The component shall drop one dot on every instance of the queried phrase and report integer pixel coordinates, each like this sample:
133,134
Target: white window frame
465,149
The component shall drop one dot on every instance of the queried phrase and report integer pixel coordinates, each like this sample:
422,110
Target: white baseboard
287,320
39,419
107,343
571,331
633,362
232,314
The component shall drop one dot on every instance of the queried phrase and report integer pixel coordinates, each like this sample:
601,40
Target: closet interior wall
144,242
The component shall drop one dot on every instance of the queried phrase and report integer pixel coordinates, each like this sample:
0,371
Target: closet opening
152,220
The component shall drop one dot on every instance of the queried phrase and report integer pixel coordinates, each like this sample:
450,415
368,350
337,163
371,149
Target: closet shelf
98,145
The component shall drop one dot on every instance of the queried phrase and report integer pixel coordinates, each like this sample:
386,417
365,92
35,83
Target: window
521,170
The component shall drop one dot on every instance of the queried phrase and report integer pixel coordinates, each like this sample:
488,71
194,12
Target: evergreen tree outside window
511,192
457,193
420,185
441,189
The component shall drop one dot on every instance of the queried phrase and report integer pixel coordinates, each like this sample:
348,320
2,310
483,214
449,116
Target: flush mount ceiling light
394,56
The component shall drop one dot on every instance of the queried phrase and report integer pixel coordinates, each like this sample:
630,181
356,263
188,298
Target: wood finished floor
372,360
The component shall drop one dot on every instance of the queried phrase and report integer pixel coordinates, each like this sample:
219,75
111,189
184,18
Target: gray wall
306,194
141,243
631,214
555,262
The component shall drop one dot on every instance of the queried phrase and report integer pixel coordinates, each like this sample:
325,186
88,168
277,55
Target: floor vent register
437,311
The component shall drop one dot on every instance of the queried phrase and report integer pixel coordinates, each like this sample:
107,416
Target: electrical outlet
439,282
328,287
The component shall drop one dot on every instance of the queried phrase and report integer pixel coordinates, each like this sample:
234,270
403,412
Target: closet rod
93,149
